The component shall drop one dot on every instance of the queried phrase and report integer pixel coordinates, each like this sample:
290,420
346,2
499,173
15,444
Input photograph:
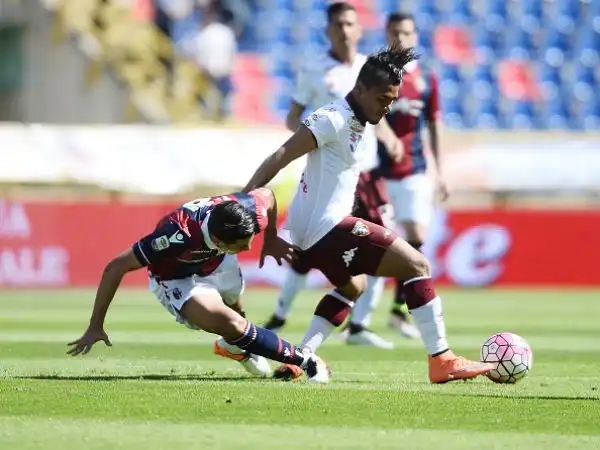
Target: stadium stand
531,66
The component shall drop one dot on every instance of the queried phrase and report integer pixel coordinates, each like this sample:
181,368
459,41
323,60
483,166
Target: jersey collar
356,109
204,227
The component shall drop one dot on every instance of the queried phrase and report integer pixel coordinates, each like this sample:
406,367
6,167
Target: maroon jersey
180,245
417,105
370,197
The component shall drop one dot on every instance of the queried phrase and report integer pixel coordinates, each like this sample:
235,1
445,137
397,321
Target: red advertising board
46,244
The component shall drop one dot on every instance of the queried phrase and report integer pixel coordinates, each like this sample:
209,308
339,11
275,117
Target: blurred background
112,111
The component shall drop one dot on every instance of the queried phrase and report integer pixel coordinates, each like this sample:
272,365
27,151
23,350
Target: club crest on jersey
360,229
160,243
177,293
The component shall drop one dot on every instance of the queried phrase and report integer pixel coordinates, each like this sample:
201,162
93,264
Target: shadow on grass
142,377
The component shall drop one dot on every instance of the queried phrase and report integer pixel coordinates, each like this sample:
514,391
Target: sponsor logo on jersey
360,229
160,243
176,238
355,125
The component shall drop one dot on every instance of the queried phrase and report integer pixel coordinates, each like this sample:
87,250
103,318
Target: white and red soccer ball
510,353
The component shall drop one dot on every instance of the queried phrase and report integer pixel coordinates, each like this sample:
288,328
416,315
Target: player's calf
332,311
403,262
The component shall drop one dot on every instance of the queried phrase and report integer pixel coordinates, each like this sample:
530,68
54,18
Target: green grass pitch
160,387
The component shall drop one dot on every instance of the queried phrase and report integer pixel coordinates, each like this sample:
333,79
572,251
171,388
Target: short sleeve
257,202
303,92
433,101
325,123
262,202
166,241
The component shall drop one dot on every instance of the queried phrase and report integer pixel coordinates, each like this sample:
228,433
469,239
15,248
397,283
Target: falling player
343,247
194,274
327,78
409,187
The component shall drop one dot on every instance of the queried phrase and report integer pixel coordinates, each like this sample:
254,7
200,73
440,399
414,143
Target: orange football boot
449,367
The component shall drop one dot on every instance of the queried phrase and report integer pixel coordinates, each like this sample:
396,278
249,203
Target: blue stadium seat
587,48
486,115
557,114
519,45
483,84
590,117
496,15
521,115
556,48
460,12
453,114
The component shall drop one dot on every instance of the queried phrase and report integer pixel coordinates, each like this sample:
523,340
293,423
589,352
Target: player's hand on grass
85,343
278,249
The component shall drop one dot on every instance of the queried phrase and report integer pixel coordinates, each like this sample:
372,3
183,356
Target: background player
409,187
194,274
330,77
344,247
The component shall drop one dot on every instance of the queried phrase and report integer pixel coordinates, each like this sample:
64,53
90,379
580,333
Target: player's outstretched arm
302,142
113,273
273,245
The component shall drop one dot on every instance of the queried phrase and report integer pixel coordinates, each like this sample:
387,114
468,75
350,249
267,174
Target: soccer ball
511,354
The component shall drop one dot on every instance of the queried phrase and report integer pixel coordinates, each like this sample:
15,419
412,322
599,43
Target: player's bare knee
420,266
354,288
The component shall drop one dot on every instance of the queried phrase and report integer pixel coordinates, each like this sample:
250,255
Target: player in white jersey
331,77
342,247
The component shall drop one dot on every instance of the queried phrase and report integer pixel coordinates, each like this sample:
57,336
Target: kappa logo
360,229
348,256
160,243
176,238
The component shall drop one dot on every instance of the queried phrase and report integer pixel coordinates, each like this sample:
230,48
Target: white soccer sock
429,319
365,305
294,283
318,330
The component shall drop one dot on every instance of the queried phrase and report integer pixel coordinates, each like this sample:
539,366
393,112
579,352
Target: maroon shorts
355,246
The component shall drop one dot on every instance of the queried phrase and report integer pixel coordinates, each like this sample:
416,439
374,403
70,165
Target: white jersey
325,80
325,194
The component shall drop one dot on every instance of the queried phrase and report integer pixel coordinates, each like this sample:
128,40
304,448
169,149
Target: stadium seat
521,115
496,15
486,115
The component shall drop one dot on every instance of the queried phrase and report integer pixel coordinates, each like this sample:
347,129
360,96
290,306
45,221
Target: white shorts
412,198
226,281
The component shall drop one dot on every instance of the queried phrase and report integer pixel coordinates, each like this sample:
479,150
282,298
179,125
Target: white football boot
367,337
254,364
405,328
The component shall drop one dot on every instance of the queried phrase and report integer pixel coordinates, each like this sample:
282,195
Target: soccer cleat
317,371
274,323
315,368
404,327
287,372
367,337
449,367
254,364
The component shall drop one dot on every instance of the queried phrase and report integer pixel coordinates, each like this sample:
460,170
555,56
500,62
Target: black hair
386,66
337,8
230,221
400,17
